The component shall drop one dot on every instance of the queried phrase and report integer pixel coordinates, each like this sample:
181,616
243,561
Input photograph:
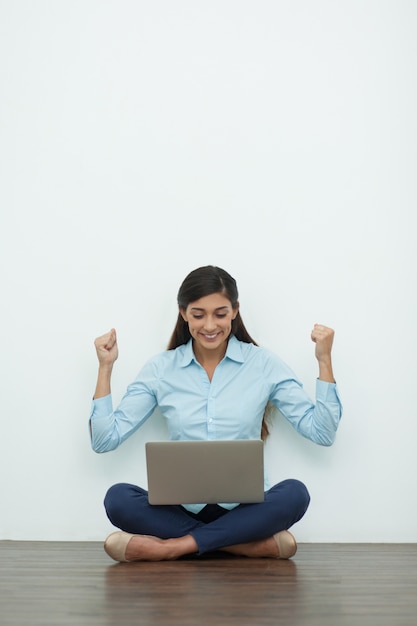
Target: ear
235,311
183,314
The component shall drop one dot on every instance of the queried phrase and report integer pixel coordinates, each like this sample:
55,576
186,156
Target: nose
210,324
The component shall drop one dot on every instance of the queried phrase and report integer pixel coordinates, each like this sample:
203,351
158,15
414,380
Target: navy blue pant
127,508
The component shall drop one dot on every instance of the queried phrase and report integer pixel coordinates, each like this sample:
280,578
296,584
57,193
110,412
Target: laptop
205,472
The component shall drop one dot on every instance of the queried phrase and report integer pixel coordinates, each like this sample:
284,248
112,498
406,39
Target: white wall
140,140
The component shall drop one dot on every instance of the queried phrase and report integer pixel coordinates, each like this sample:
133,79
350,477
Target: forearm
323,338
326,370
103,387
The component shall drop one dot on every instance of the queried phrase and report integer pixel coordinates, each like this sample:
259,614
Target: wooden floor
325,584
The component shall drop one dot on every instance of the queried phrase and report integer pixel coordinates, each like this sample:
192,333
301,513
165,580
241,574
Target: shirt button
210,420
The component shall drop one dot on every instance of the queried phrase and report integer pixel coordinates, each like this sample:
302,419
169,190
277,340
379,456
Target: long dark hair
202,282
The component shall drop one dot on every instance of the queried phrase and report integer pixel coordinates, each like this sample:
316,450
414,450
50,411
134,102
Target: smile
210,337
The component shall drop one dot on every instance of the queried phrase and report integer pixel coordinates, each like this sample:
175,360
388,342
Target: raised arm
323,338
107,353
108,427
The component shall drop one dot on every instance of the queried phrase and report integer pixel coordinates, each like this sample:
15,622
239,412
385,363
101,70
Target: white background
140,140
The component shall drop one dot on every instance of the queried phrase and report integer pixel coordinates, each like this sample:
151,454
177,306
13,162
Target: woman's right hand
106,348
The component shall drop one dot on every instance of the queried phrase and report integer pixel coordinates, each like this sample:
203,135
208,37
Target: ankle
179,546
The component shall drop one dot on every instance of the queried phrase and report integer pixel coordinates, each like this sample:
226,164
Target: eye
197,317
221,314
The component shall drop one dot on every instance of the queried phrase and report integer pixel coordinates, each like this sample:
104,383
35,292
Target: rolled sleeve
327,392
101,424
328,412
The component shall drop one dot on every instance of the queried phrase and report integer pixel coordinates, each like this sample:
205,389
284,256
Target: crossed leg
126,547
155,533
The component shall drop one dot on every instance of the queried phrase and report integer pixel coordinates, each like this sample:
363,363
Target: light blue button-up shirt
231,406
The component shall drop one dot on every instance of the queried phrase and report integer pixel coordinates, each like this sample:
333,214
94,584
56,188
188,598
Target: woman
213,382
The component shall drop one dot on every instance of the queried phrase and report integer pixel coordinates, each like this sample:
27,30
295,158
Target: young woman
213,382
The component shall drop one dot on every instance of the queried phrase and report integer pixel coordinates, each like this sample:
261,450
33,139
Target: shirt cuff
326,392
102,407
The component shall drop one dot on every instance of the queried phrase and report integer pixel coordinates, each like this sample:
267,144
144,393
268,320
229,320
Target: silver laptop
196,472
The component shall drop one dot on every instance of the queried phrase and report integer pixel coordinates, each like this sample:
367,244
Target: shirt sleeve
108,427
316,421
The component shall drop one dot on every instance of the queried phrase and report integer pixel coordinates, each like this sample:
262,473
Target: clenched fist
323,338
106,348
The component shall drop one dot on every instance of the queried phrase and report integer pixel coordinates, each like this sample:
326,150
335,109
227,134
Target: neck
209,357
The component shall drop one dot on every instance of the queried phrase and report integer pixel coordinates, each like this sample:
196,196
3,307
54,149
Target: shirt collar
233,352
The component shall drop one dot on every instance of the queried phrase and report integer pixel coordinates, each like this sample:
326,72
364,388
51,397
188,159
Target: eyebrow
220,308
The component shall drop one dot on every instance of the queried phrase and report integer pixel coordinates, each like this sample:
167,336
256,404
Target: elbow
325,439
101,442
100,447
325,432
326,443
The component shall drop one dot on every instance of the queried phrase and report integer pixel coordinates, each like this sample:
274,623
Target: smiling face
210,324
